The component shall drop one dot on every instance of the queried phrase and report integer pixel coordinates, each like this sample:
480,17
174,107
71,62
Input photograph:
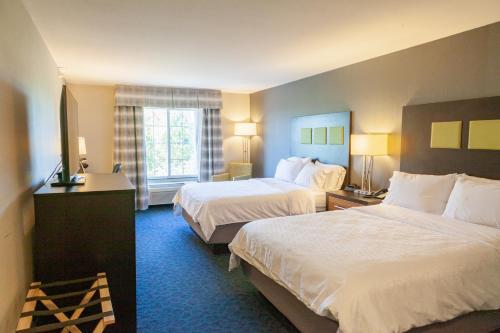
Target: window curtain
129,150
211,155
129,140
167,97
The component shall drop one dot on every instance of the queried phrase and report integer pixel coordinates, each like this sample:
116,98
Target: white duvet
218,203
377,269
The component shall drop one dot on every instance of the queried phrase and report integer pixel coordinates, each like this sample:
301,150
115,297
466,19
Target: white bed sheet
379,268
217,203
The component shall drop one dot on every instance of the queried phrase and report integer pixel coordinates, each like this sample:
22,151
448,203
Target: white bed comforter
377,269
218,203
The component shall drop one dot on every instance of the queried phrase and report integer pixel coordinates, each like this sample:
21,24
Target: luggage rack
36,297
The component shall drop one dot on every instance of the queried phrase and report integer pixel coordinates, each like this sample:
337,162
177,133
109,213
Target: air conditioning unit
162,194
161,197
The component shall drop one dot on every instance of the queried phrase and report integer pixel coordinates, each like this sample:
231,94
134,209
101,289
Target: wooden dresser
83,230
344,199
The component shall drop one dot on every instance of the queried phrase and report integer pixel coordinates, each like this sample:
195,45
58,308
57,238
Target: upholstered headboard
325,137
449,124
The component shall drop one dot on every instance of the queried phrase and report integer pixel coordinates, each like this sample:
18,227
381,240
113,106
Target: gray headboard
418,157
327,153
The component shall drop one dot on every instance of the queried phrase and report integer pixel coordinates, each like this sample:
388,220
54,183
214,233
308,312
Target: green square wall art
320,136
306,136
336,135
484,134
446,134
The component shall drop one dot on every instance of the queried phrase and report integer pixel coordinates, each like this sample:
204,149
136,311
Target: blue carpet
183,287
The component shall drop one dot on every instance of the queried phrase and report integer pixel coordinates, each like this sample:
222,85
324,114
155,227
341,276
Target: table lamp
368,145
246,130
82,150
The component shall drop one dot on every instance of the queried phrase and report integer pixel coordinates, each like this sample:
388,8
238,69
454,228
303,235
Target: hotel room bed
217,210
375,269
429,262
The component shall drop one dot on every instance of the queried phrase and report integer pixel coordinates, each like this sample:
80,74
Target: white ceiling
238,45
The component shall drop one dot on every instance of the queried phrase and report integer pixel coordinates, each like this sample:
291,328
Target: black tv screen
70,156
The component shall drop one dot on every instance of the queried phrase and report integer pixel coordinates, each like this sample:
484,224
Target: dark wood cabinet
343,200
83,230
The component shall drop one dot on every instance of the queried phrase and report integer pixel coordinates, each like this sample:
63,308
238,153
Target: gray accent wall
466,65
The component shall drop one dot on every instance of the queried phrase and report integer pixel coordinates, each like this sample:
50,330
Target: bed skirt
223,234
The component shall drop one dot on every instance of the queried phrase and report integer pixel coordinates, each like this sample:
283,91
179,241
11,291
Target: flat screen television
70,155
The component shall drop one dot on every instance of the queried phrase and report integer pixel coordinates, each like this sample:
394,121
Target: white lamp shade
369,144
81,145
245,129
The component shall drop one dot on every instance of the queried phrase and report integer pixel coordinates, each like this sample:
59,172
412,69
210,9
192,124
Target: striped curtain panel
211,156
130,152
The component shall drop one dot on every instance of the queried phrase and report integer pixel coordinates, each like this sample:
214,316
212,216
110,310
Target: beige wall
95,124
95,115
29,145
236,108
457,67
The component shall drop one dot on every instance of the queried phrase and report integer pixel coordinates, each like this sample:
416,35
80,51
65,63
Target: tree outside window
171,140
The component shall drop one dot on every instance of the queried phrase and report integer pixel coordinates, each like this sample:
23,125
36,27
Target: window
171,140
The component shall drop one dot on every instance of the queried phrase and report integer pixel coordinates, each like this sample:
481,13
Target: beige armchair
237,171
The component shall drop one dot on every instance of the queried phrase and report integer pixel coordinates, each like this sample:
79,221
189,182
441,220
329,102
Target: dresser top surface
94,182
354,197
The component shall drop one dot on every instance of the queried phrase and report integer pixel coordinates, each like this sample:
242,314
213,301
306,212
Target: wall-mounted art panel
336,135
330,154
418,157
446,134
320,136
484,134
306,136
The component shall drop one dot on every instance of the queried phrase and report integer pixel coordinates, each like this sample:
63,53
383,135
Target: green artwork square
484,134
336,135
446,134
320,136
306,136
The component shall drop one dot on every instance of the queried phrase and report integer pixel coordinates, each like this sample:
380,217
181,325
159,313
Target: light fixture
368,145
246,130
82,149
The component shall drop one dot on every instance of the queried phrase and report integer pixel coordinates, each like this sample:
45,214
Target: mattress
218,203
379,268
319,201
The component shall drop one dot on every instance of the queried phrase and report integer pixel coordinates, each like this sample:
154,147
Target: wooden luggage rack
103,315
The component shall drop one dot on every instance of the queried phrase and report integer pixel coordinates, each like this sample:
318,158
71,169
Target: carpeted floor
183,287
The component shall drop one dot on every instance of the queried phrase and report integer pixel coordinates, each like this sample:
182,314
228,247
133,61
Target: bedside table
344,199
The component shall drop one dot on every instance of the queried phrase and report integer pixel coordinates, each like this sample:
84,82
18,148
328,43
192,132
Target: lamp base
363,192
366,179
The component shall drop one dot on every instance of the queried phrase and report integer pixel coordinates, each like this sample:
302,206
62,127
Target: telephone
380,194
351,188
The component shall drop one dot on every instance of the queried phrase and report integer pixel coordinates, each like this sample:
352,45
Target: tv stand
76,180
83,230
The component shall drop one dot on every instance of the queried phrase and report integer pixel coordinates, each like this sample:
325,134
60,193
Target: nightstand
344,199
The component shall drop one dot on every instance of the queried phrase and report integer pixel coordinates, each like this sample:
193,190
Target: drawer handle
338,207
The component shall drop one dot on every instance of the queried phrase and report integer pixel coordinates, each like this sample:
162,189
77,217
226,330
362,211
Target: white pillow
287,170
475,200
311,176
303,160
478,179
426,193
334,176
